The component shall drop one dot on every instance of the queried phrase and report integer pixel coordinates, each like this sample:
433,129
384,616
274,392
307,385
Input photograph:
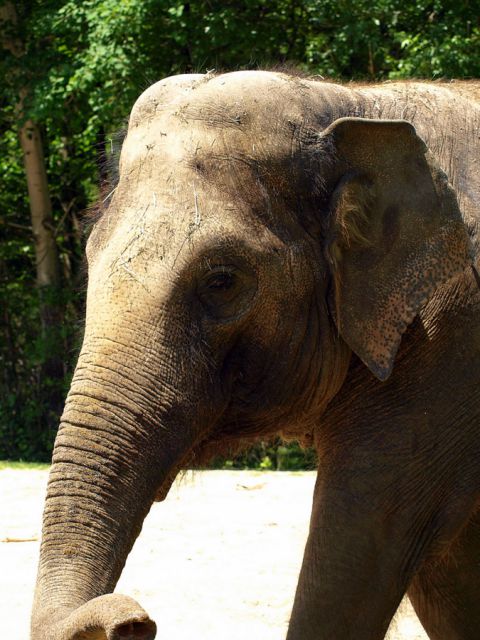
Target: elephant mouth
164,488
197,457
220,443
169,479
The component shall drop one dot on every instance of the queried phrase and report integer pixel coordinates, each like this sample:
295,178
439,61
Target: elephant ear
395,234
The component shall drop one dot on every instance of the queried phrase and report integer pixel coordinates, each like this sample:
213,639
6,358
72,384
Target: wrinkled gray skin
283,255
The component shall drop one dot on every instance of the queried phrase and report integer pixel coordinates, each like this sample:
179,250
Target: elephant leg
359,558
446,590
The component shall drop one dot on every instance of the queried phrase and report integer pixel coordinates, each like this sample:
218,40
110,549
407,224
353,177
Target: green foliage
31,396
83,66
275,455
394,39
27,466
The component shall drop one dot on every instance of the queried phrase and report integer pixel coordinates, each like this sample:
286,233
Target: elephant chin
164,488
108,617
186,462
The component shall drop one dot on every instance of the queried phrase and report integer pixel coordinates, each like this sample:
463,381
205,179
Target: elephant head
256,238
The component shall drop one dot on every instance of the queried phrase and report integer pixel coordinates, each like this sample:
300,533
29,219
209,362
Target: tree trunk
48,273
47,262
46,254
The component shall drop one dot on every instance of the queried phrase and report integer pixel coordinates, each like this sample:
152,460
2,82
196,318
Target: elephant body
283,255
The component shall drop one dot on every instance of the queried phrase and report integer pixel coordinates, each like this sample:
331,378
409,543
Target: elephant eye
221,281
225,291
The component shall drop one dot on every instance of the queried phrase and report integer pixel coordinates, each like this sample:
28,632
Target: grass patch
29,466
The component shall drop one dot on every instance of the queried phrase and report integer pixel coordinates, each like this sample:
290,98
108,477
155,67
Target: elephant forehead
169,158
239,99
254,113
161,95
169,92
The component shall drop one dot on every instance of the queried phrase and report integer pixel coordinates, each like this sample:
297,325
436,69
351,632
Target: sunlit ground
219,558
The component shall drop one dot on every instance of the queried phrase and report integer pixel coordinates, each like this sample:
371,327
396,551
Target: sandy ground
219,558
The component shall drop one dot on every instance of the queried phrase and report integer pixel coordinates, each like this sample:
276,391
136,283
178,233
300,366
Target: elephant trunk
110,458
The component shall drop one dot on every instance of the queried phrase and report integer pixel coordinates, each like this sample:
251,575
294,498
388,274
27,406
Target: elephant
283,255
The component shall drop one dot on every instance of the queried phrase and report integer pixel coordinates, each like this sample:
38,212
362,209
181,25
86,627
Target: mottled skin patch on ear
398,234
447,256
